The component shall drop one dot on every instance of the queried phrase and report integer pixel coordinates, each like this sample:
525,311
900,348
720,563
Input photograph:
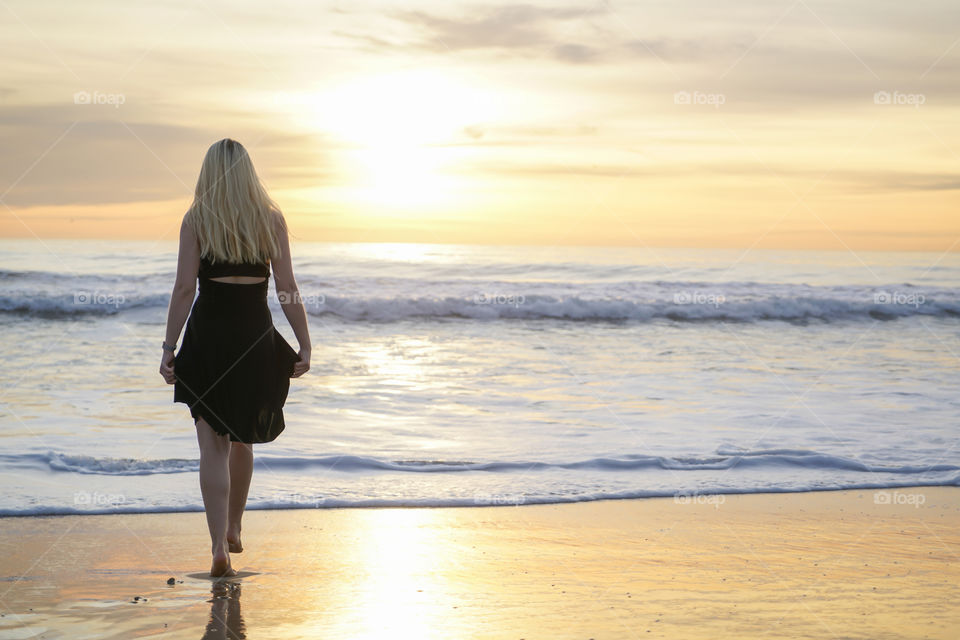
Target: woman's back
233,272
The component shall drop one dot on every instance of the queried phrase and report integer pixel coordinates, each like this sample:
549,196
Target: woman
234,368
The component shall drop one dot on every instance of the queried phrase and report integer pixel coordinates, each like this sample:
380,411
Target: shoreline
773,565
679,497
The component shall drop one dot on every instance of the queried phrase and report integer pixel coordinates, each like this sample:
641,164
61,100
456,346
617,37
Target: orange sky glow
742,124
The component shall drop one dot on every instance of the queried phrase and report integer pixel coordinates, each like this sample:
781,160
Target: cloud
576,53
527,29
510,26
903,181
519,28
684,50
795,64
842,180
478,132
83,154
475,132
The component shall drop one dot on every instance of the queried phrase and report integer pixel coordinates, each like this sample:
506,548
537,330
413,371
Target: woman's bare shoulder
278,220
186,226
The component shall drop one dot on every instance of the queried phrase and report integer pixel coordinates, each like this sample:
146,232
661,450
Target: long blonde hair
232,214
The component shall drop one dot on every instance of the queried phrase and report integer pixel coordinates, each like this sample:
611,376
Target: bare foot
221,566
233,541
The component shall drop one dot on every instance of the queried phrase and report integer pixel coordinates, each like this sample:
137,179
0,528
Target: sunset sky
686,124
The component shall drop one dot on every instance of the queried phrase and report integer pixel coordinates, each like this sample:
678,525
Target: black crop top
219,269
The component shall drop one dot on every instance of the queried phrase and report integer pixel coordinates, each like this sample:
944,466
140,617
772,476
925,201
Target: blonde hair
232,214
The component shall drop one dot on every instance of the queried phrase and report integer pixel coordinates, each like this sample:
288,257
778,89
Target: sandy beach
844,564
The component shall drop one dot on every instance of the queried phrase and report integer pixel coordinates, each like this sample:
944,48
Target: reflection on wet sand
225,620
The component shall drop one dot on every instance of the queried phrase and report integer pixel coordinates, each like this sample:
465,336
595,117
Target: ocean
455,375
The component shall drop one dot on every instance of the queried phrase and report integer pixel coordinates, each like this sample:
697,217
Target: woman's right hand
166,367
302,365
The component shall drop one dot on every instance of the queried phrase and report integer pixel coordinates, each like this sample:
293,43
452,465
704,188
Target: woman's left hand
166,367
302,365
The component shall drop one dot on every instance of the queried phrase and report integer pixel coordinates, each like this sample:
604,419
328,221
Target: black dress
233,368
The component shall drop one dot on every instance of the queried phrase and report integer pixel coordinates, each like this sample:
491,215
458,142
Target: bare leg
241,470
215,487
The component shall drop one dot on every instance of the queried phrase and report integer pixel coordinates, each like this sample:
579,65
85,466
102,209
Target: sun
395,133
398,176
402,108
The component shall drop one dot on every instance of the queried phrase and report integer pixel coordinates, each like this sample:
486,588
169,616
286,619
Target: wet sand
849,564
